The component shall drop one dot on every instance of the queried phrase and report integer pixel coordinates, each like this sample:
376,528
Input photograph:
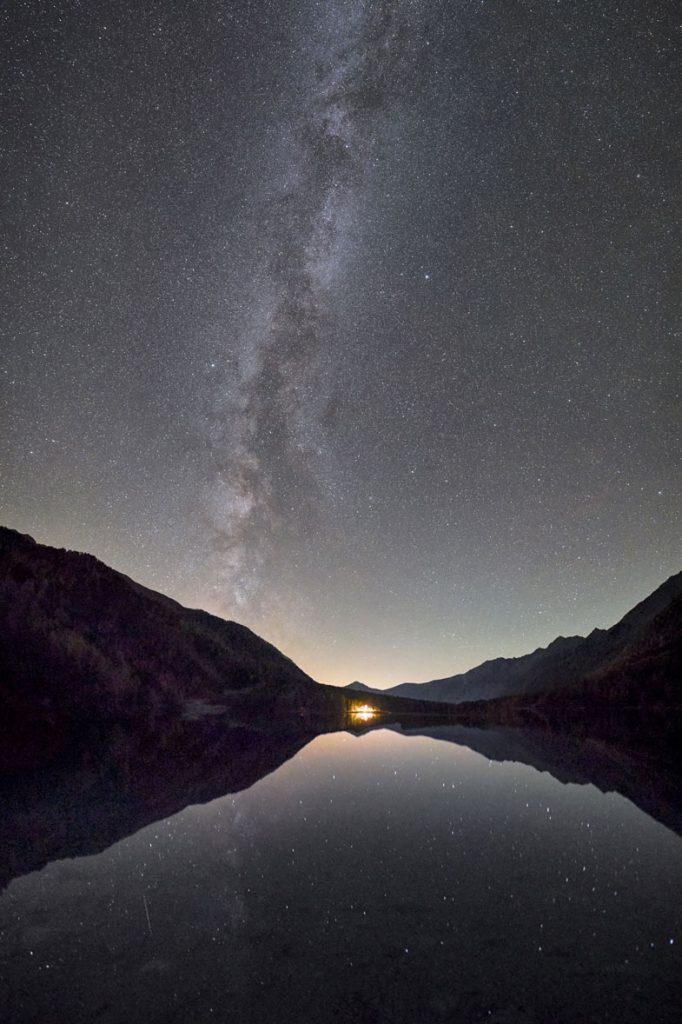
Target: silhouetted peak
568,661
11,538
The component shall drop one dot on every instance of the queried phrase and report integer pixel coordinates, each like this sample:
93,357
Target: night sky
355,322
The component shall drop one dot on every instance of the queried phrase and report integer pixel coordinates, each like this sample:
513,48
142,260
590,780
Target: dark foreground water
368,879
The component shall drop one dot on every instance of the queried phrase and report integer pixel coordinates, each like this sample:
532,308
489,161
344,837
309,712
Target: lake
368,878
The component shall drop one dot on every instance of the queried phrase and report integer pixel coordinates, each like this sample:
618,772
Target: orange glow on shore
364,712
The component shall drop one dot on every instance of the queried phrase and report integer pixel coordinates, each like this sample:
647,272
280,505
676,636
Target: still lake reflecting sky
380,877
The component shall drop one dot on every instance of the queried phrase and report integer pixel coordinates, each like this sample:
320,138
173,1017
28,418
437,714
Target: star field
356,322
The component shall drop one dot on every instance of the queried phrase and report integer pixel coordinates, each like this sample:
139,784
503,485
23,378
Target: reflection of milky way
270,452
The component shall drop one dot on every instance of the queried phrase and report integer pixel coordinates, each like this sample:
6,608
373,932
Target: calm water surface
372,878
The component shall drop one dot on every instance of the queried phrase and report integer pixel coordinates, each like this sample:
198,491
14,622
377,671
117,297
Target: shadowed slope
79,636
643,652
80,640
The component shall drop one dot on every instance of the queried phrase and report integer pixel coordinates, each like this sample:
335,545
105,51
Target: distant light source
364,712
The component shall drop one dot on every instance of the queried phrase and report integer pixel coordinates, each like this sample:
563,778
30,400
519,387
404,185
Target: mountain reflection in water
381,877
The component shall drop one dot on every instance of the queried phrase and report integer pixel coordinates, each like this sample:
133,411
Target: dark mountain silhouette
638,661
361,687
80,639
77,635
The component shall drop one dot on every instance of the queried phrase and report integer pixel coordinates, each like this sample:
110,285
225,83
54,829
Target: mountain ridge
565,662
78,638
78,632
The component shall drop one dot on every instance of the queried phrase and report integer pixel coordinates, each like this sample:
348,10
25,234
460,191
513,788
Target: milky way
273,455
356,322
